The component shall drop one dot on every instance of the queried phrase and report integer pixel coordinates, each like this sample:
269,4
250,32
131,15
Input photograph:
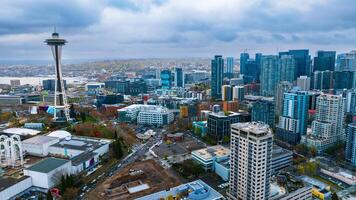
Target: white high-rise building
250,161
327,128
238,92
304,83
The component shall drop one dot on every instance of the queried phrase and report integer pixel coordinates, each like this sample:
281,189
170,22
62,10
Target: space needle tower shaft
61,112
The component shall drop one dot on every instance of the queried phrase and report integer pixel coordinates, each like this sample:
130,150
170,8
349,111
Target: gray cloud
142,28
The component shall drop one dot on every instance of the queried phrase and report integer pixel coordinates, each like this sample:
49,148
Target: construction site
134,181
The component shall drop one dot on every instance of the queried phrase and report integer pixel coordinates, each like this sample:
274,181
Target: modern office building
229,72
304,83
226,93
11,100
238,93
323,80
288,68
346,61
263,111
243,59
250,161
351,101
344,80
219,123
324,60
146,114
196,190
302,59
206,157
94,88
166,79
217,76
49,84
237,81
118,86
109,99
252,71
281,158
282,87
350,151
327,128
270,74
293,120
179,77
197,76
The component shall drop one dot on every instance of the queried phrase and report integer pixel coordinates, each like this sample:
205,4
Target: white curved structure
60,134
21,131
11,153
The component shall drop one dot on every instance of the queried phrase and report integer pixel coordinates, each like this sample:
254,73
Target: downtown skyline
174,29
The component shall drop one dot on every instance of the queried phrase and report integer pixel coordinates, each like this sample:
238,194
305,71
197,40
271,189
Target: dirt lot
143,172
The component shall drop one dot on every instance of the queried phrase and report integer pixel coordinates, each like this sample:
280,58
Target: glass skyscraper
179,77
243,59
263,111
270,75
166,79
350,151
346,61
217,76
302,59
293,120
325,60
229,67
288,68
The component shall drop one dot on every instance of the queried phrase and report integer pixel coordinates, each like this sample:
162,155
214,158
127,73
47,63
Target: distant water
38,80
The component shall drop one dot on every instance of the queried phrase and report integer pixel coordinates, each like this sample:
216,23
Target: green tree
49,195
334,196
313,152
117,148
226,139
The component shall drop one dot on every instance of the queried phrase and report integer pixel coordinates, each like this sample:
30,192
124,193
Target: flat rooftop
81,143
6,182
279,151
254,127
208,153
195,190
47,165
40,139
144,108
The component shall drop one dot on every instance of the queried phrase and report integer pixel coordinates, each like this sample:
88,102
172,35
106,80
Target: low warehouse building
47,172
11,187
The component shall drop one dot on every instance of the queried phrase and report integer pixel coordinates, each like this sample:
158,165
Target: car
84,188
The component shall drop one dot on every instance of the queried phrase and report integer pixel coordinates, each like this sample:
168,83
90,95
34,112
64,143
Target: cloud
161,28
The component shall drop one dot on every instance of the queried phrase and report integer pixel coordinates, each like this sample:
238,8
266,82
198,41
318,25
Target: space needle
61,112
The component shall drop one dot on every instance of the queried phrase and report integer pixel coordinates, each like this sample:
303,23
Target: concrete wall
13,190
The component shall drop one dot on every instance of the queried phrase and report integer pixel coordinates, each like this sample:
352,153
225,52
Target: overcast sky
97,29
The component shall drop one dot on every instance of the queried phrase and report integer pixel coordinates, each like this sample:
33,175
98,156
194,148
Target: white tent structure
61,134
11,153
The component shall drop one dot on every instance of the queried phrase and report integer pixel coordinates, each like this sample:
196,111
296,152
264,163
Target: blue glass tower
350,151
302,59
217,76
179,77
166,79
229,67
243,59
293,121
325,60
270,75
263,111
